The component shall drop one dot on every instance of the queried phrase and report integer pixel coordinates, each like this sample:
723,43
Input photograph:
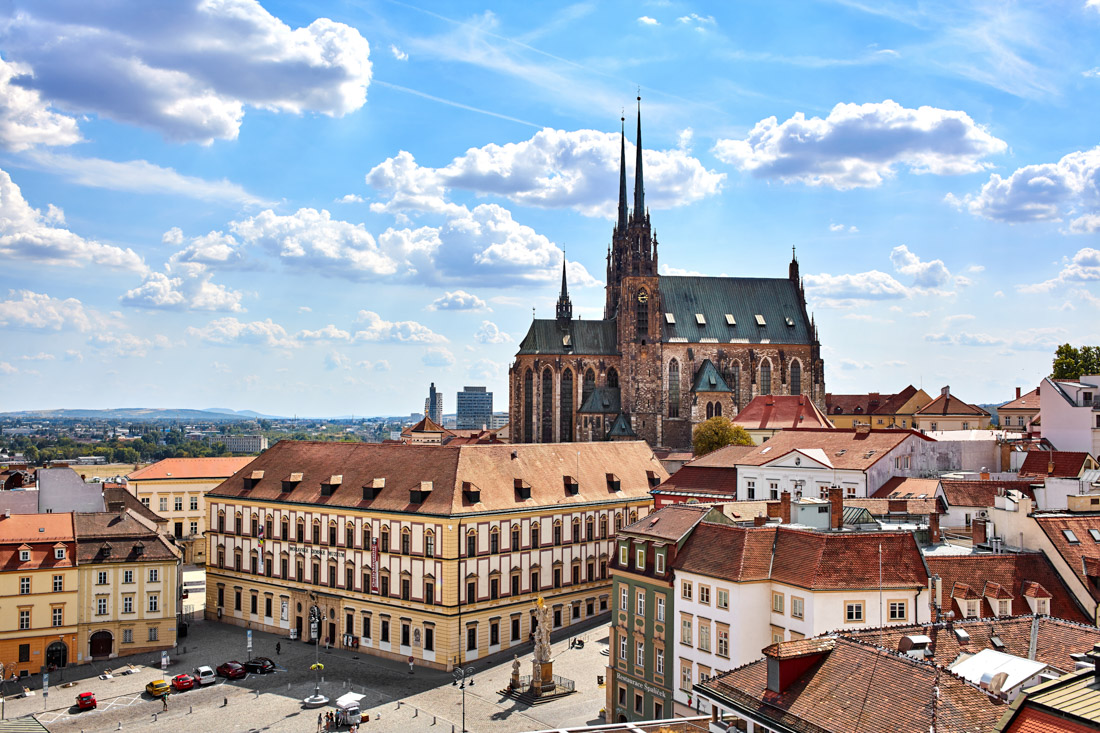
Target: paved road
429,703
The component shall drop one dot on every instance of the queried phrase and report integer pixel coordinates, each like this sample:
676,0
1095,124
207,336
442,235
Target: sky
319,208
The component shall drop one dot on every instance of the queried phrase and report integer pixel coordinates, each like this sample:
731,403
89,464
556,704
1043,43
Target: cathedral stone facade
669,353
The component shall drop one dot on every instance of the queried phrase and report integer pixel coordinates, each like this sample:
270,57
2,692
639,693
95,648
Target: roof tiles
191,468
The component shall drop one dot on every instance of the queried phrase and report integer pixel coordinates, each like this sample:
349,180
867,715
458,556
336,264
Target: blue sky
319,208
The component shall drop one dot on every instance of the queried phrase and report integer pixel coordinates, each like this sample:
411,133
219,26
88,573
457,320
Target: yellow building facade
434,553
128,580
878,410
175,488
38,592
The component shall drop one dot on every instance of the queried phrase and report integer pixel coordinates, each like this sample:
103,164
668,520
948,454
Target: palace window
429,544
406,541
494,541
385,539
471,543
535,535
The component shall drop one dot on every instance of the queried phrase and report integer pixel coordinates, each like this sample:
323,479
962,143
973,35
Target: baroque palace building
430,552
670,351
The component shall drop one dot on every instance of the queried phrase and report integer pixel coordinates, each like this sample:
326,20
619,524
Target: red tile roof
857,688
949,404
1011,572
1074,553
902,487
1066,464
845,449
1055,639
696,479
1032,720
981,493
191,468
726,457
41,532
669,523
885,507
129,539
728,552
1029,401
775,412
838,560
867,404
455,473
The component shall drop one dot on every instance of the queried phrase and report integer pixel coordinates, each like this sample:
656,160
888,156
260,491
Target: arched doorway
102,644
622,718
57,655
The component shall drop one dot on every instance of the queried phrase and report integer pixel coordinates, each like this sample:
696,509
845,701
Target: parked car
157,688
183,682
205,676
231,670
86,701
260,665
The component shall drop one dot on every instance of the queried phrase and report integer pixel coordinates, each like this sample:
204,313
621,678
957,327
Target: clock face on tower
643,296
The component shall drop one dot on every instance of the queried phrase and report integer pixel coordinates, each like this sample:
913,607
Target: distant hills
140,414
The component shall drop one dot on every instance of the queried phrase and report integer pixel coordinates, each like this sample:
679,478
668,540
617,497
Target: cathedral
670,351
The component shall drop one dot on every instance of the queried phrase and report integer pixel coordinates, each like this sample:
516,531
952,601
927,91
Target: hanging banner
374,565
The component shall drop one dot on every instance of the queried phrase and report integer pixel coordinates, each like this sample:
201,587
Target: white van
205,675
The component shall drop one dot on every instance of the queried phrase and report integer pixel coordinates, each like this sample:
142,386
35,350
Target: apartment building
176,488
432,552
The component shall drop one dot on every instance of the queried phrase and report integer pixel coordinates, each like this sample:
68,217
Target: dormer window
624,555
659,559
730,320
789,321
24,555
613,482
639,557
670,319
1070,537
760,320
59,553
700,319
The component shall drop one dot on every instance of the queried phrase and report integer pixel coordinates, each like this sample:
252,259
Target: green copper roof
602,401
621,428
775,300
707,379
579,337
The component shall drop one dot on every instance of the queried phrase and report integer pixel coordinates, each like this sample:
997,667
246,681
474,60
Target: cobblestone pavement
424,702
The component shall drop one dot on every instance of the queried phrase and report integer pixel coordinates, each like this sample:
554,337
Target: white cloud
335,360
376,329
1044,192
679,271
398,53
490,334
304,309
188,70
976,269
862,145
930,274
1093,73
699,22
646,20
328,333
40,312
25,119
438,356
958,317
229,331
378,366
191,293
350,198
6,368
1032,339
40,356
1083,267
459,300
554,169
847,289
123,345
486,370
28,235
74,355
139,176
852,364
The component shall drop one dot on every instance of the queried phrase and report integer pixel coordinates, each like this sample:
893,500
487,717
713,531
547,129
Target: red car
86,701
183,682
231,670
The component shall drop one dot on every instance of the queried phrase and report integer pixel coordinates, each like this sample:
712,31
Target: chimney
863,428
934,528
1017,393
978,530
1050,468
946,391
1095,654
759,520
785,507
984,475
836,507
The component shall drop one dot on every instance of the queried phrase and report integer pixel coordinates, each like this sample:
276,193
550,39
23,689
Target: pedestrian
278,648
164,699
318,723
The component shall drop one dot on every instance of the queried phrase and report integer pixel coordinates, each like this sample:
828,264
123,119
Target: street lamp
461,675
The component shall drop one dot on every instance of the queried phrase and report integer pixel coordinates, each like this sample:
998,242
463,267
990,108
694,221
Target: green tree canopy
718,432
1071,362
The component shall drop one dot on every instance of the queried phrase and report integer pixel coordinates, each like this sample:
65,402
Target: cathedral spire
622,174
564,310
639,189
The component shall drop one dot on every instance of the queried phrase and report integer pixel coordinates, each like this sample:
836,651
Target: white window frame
624,556
639,603
639,557
660,608
639,654
659,562
659,660
622,647
624,598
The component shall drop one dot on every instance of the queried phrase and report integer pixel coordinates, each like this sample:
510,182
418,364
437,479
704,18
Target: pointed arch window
565,430
674,388
547,406
735,383
641,315
766,377
710,410
588,385
718,409
528,407
796,377
613,378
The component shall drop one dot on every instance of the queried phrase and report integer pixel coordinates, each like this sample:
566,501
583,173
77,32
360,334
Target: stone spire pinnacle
639,188
622,174
564,310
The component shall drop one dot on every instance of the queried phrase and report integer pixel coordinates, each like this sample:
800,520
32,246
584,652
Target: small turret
792,271
564,311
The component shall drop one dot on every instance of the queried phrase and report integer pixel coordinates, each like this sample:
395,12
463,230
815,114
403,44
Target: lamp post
461,675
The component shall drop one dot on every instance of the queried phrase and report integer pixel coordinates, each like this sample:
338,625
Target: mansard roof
545,336
709,380
602,401
744,298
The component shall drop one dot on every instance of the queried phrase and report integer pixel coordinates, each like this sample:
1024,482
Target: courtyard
395,699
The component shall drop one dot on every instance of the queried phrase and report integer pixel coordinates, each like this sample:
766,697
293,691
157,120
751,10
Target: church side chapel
669,352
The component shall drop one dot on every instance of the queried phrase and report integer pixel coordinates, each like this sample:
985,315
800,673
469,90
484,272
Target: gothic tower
564,310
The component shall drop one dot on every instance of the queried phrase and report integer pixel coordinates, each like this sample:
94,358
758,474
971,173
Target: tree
716,433
1071,362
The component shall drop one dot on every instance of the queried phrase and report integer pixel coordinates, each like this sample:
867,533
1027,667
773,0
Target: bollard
345,684
119,725
398,704
190,709
433,720
154,717
288,685
416,712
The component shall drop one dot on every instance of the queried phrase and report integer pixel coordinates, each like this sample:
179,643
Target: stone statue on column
542,678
